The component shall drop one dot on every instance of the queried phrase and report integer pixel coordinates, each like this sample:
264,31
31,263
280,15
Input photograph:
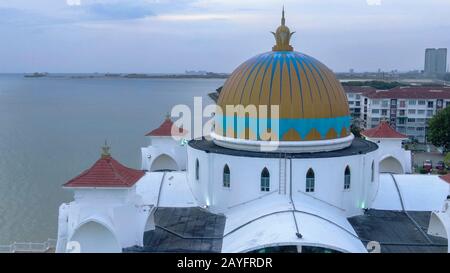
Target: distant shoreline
208,75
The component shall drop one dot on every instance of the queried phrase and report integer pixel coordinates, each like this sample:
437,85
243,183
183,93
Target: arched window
265,180
372,176
197,170
347,178
310,181
226,176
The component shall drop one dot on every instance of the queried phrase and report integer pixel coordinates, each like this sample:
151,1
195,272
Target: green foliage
423,171
374,84
439,129
442,172
447,159
356,131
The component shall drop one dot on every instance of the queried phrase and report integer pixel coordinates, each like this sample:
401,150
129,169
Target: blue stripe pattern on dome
302,126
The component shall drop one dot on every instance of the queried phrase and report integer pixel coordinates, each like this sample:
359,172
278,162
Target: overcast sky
151,36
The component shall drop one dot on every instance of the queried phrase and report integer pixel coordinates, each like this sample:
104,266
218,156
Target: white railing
47,246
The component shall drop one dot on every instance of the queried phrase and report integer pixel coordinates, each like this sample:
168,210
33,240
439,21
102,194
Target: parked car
440,165
427,165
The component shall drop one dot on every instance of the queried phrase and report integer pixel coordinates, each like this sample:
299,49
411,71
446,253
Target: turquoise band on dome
302,126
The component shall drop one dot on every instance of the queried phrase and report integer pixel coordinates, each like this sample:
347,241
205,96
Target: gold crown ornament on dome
282,36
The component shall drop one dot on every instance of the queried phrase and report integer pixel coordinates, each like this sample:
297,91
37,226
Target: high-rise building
435,61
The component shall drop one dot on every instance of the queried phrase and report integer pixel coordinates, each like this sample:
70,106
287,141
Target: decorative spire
282,36
105,150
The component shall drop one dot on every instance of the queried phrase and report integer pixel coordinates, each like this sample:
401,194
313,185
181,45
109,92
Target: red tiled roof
165,129
431,92
108,173
383,130
446,178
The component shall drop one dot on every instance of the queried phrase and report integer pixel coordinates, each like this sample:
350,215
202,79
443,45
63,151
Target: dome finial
105,150
282,36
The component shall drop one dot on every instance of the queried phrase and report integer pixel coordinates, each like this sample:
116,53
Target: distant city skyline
168,36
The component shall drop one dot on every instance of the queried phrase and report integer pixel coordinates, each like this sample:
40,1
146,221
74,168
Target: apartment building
408,109
354,94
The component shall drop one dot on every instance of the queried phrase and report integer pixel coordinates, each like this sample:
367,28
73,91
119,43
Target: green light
363,205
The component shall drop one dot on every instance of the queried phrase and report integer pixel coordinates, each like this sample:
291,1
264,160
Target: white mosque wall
329,181
95,237
102,220
245,179
164,153
200,186
391,154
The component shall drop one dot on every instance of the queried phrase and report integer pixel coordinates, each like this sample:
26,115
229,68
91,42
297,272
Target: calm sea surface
51,129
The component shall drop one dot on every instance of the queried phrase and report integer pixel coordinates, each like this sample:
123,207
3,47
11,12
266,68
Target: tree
374,84
439,129
447,159
356,131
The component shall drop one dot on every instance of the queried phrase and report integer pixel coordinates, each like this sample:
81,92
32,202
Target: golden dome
312,103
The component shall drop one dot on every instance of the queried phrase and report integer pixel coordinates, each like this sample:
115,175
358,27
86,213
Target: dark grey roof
358,146
396,232
215,95
184,230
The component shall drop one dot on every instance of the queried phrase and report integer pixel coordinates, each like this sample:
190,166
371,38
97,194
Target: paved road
420,157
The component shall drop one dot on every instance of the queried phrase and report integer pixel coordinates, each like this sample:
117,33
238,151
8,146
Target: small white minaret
107,214
167,149
391,155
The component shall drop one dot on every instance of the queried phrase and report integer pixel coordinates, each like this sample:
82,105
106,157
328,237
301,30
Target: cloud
194,17
73,2
373,2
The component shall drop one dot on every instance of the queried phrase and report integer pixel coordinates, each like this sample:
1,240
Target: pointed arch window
265,180
347,177
197,170
372,174
310,181
226,176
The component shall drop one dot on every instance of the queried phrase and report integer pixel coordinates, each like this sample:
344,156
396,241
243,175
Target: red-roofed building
106,173
107,213
408,92
167,129
354,95
407,108
383,130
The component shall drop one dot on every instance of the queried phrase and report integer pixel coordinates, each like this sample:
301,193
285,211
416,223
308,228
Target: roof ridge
84,173
125,169
117,172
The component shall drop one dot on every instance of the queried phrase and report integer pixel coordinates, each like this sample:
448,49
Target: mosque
317,188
